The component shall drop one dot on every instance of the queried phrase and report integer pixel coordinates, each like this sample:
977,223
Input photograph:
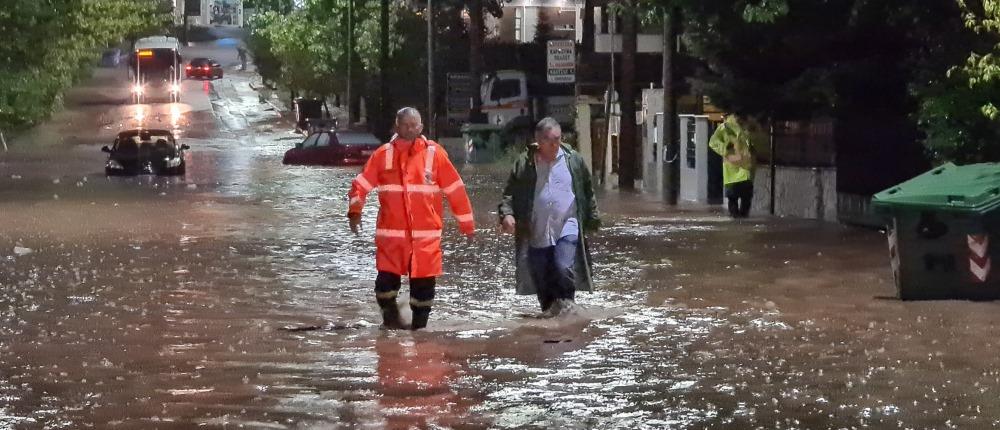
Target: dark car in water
333,148
203,68
140,151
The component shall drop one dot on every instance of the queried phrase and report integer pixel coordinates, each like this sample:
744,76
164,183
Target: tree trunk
476,41
671,161
588,26
350,57
383,123
627,147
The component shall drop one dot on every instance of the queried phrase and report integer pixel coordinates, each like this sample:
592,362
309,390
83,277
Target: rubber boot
390,315
420,317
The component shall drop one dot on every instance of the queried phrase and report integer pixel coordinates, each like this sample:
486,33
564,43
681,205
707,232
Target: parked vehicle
140,151
333,148
206,68
111,57
510,96
309,111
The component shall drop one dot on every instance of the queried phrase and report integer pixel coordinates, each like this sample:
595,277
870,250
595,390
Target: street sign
561,62
459,97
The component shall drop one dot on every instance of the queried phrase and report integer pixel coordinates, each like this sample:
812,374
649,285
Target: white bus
155,65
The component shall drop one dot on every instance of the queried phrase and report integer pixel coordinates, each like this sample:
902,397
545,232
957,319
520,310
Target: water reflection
415,382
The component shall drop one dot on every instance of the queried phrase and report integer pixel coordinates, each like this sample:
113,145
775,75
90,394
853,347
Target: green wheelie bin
942,226
483,141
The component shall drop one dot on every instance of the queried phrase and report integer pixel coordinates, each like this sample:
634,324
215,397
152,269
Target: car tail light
206,68
188,67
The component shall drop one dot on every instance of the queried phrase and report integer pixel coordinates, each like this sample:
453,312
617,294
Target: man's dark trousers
739,195
553,271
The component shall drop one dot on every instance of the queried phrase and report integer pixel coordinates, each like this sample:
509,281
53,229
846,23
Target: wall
802,192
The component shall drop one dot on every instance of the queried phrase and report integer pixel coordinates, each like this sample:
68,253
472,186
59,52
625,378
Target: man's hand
508,224
355,221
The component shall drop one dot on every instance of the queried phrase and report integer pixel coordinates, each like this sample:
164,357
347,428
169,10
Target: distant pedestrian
548,204
410,173
242,53
733,142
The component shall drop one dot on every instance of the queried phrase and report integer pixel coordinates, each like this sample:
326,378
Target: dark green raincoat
518,199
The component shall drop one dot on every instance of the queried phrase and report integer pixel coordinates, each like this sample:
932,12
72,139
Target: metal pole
4,141
184,26
430,69
772,156
611,99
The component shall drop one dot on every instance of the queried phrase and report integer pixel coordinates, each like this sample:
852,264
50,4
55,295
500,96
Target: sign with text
561,62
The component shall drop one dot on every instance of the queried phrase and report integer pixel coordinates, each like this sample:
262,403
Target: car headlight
137,89
172,161
112,164
174,88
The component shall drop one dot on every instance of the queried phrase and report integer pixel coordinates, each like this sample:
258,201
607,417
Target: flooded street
157,302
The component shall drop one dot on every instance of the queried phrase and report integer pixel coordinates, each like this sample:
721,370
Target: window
324,140
518,23
310,141
506,88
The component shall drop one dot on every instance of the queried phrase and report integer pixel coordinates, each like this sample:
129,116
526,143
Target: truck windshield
505,89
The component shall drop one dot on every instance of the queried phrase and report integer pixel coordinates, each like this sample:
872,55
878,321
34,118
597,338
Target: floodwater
236,297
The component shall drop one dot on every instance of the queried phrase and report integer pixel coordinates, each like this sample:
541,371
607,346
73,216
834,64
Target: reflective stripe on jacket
410,186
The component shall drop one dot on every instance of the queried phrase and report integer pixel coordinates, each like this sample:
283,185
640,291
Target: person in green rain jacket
733,142
551,256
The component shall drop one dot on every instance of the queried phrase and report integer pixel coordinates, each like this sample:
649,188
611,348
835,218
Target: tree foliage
893,59
306,50
809,57
958,111
49,45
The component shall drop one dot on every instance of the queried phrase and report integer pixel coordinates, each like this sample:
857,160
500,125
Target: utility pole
430,69
671,159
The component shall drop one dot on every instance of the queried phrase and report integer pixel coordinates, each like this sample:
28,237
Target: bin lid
474,127
970,188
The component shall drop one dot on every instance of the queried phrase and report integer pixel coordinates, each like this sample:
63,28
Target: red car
203,68
333,148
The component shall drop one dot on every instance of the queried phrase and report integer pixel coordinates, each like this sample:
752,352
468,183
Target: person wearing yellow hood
733,142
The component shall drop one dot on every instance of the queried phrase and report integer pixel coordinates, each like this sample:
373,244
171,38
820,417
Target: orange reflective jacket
410,184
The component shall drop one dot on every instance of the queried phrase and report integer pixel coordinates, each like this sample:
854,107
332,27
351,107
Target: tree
48,46
628,147
305,51
957,109
477,38
543,29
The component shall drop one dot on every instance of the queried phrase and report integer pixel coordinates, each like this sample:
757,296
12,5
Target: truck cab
509,97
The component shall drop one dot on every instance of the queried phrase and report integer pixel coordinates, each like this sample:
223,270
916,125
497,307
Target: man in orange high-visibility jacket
410,173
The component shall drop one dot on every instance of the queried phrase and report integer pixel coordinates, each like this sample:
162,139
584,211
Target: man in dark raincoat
548,204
